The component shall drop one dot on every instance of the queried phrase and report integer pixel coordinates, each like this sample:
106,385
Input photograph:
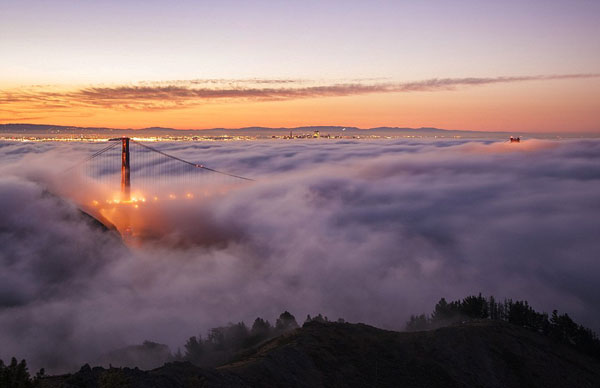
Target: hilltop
482,353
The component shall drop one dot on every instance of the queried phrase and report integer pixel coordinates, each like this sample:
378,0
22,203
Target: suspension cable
196,165
96,154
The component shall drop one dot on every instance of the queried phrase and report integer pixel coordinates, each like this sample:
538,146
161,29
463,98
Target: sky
369,231
510,65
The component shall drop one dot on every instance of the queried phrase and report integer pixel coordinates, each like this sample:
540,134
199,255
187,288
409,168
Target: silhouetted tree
308,318
493,308
194,350
559,327
236,335
445,313
16,375
501,311
285,322
260,327
223,343
474,307
216,338
417,323
442,311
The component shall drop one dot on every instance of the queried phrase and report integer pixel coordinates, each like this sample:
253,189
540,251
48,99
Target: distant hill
46,130
482,353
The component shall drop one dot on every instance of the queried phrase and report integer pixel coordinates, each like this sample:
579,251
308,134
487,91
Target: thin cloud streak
181,94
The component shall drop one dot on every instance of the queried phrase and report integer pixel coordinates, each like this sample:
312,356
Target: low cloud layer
180,94
370,231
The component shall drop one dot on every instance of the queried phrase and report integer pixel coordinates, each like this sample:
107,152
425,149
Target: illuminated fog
371,231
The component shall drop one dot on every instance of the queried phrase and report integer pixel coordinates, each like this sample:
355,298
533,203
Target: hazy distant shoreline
58,132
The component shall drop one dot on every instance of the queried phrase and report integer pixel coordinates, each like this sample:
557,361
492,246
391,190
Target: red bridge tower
125,171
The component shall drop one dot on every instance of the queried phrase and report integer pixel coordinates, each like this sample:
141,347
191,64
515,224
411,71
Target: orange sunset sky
465,65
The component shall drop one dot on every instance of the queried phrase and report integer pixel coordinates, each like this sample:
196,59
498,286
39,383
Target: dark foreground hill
473,354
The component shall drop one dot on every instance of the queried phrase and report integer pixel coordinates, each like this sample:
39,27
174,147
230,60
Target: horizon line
597,132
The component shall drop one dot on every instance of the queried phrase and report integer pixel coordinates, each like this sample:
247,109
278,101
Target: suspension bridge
128,174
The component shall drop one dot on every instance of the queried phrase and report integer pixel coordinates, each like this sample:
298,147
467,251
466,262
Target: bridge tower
125,171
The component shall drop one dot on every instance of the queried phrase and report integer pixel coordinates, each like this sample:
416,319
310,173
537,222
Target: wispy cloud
183,93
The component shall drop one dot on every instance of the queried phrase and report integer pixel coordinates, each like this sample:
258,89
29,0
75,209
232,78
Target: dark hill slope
474,354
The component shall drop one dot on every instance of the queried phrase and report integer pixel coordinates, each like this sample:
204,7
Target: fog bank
371,231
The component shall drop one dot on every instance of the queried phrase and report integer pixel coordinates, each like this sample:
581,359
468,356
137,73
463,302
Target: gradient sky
192,64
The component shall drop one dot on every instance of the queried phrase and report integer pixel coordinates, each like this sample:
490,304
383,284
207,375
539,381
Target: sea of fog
369,231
